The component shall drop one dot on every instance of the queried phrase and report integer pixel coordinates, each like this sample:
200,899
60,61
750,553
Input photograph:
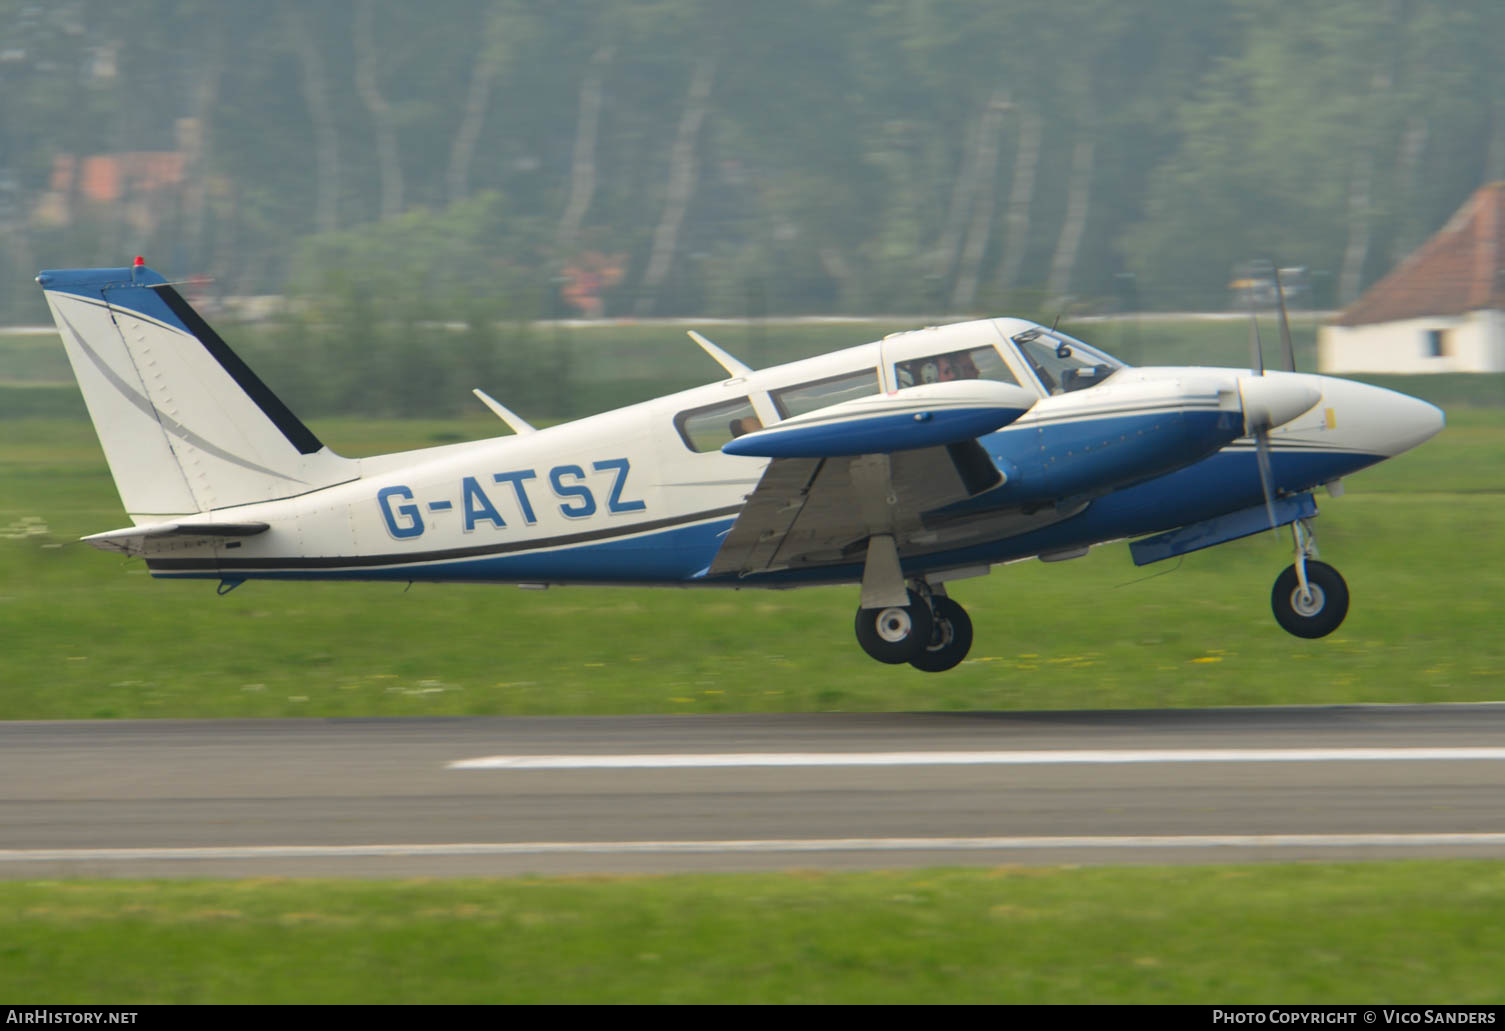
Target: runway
505,796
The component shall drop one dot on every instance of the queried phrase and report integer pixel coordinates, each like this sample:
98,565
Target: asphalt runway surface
635,794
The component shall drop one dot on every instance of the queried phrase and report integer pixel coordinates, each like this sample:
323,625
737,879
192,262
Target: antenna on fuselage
518,424
732,366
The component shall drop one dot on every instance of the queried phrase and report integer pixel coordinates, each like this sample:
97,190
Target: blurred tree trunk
321,115
943,257
225,263
473,114
1078,194
1021,196
848,284
980,228
1360,210
205,93
1494,162
387,161
1413,142
682,172
583,165
1351,275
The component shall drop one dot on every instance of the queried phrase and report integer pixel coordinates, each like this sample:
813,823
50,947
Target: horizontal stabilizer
133,539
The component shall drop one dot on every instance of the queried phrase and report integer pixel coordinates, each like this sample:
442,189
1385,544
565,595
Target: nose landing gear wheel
950,638
1316,612
897,633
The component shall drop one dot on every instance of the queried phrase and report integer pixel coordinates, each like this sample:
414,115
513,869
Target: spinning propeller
1257,421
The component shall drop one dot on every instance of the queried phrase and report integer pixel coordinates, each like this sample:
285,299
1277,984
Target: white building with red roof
1441,310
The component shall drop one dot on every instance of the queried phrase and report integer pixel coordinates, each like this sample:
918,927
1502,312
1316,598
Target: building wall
1467,343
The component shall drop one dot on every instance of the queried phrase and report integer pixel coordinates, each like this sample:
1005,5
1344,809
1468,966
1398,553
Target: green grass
90,635
1375,933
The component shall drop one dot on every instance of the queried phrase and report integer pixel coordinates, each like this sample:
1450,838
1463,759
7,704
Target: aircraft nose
1398,422
1413,421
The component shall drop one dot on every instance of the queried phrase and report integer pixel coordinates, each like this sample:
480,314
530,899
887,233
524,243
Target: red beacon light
139,262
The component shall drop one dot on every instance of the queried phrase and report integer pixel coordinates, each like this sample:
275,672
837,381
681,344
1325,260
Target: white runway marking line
793,845
667,761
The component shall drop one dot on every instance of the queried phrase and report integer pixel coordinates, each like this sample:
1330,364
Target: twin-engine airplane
900,465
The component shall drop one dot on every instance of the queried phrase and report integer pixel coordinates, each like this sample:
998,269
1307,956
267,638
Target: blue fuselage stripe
1223,482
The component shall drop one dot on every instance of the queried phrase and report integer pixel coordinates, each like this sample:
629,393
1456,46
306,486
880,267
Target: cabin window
807,397
1062,363
706,429
977,363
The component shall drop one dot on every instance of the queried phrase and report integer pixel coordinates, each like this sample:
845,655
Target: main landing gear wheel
950,637
1315,612
897,633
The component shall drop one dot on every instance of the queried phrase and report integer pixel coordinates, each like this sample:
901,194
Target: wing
820,511
885,466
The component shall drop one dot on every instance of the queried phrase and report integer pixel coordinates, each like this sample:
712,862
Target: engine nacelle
1122,432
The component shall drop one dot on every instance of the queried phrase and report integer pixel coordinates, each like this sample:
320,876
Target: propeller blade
1285,325
1256,353
1266,477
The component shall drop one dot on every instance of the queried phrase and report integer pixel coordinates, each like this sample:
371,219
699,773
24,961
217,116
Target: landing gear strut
1310,598
931,633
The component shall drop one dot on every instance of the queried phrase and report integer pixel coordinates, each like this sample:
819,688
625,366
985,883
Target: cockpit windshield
1063,363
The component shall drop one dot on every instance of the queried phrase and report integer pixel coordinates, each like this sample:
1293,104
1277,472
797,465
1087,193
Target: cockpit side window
975,363
1063,364
807,397
706,429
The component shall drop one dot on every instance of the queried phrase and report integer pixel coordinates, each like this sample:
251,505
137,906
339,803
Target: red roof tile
1460,269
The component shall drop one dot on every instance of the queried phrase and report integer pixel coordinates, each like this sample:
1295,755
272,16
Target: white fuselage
644,493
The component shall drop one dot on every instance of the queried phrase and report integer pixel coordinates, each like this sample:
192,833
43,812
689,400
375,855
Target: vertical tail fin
186,426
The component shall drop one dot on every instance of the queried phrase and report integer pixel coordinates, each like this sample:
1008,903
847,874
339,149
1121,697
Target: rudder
185,425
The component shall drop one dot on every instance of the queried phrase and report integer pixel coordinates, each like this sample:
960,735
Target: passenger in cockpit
957,366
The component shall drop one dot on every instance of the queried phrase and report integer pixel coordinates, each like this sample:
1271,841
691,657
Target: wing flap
821,511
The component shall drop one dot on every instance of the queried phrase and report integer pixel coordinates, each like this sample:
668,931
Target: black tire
950,637
1317,616
895,634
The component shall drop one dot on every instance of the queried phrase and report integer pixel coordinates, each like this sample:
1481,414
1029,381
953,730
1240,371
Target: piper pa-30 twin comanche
900,465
